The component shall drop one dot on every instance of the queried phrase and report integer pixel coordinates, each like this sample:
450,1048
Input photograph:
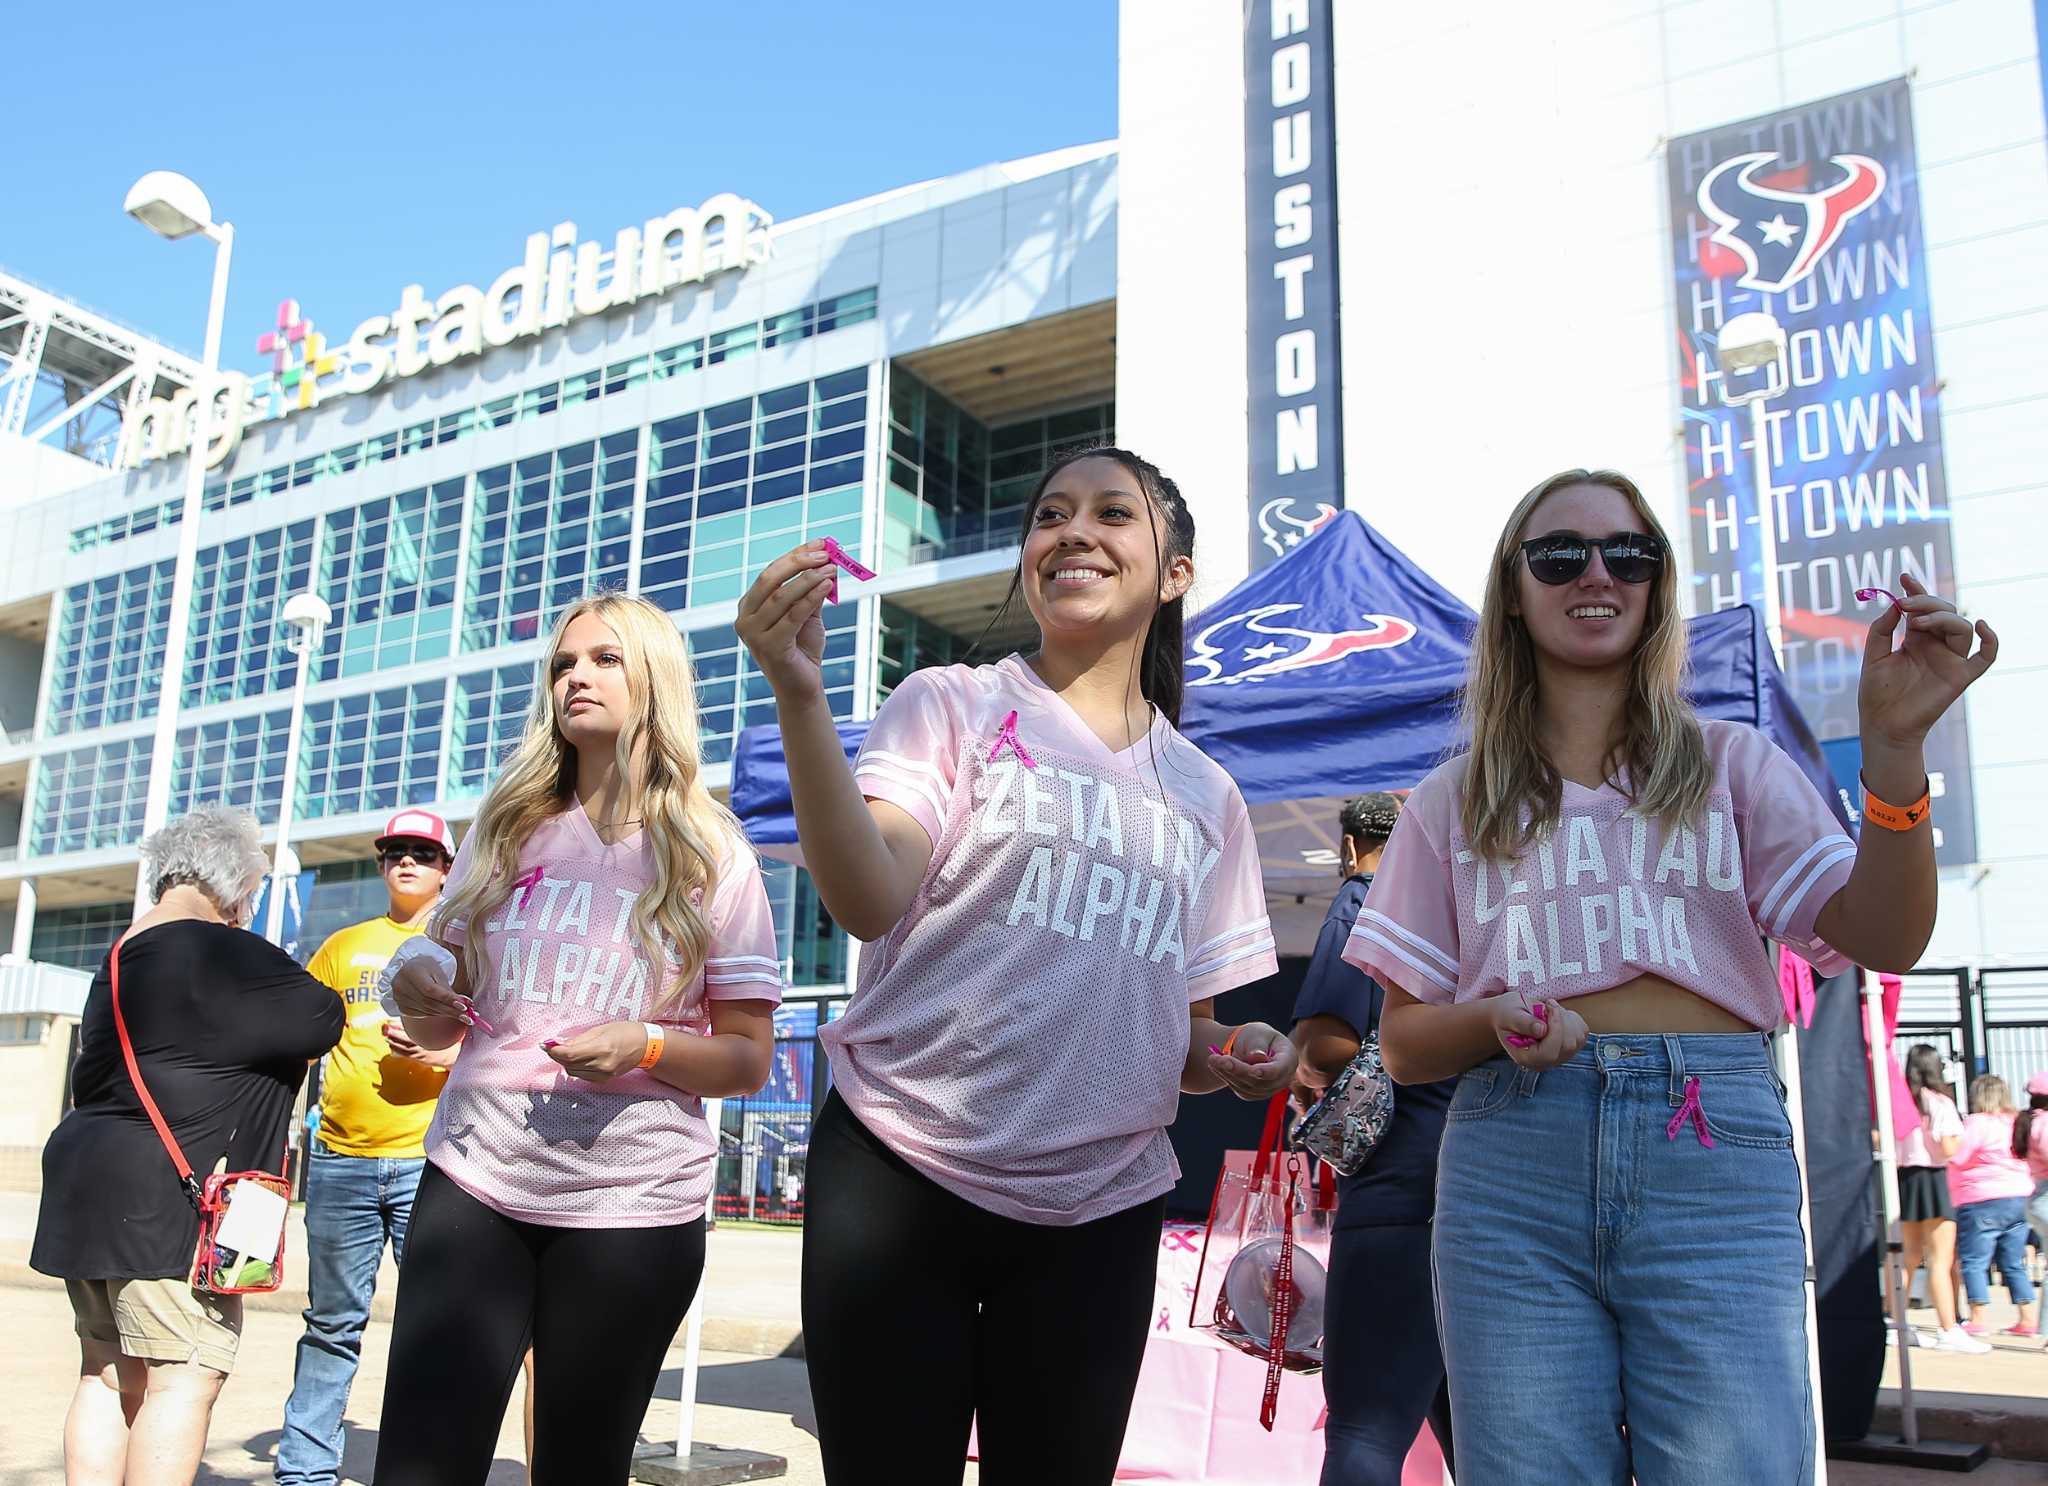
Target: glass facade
489,716
543,532
910,643
80,937
111,633
732,693
235,648
376,750
238,761
90,798
387,569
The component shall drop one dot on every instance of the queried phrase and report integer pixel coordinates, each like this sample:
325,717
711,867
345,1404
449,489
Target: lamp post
173,207
305,620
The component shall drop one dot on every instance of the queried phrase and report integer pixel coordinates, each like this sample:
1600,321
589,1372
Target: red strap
1283,1301
156,1118
1269,1142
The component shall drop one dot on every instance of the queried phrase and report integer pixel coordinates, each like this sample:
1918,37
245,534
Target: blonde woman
608,962
1570,917
1989,1182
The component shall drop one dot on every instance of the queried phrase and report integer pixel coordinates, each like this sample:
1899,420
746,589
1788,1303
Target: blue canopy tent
1334,671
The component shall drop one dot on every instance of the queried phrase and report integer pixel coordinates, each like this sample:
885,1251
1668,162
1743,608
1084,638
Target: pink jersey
517,1132
1938,1122
1984,1167
2037,1147
1018,1036
1610,895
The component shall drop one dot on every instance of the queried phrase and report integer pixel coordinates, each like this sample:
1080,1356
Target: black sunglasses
1631,556
426,856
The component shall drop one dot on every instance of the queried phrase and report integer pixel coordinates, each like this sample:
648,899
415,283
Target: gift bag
1264,1270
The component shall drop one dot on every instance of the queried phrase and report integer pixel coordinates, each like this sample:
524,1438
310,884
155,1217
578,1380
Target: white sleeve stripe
1767,912
1259,925
1206,968
902,761
763,962
728,977
886,774
1402,935
1820,869
1425,971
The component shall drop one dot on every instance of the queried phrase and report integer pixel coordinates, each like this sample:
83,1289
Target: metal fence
765,1138
1992,1020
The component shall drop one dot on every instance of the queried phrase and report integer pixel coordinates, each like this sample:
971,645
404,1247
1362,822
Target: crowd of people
1556,944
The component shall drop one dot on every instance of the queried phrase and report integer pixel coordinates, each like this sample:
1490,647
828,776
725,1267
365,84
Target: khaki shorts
159,1320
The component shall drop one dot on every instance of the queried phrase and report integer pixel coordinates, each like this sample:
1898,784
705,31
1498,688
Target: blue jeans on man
354,1206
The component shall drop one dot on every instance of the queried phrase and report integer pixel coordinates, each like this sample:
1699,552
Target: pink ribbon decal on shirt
1008,734
1696,1110
839,559
527,882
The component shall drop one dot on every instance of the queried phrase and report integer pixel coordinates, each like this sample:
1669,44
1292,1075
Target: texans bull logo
1254,646
1780,233
1283,531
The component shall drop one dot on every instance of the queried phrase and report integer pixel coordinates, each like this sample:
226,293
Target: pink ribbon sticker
1008,734
853,566
1695,1110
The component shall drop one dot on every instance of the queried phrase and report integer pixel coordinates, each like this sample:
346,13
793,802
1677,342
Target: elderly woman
223,1024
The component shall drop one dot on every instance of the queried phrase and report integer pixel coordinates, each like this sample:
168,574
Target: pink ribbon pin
1540,1011
1869,595
527,882
1693,1108
839,559
1008,734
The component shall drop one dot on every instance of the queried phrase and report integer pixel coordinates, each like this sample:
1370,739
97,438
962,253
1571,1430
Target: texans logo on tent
1282,530
1252,646
1779,232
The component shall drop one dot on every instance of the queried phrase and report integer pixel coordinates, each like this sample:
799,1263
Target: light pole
173,207
305,619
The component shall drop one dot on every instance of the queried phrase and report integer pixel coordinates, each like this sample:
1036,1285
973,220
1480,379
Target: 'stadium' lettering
556,281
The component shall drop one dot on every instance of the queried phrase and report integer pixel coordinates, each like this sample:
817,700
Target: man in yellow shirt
377,1096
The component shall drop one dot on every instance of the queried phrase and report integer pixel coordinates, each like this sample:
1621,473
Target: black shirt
223,1024
1398,1184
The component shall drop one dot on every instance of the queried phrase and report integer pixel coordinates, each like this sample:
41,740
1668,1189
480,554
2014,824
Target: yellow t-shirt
372,1101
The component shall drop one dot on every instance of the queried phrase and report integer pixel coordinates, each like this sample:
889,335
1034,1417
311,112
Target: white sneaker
1955,1339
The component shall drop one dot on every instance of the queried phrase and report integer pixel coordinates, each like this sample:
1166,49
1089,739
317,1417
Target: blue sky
361,148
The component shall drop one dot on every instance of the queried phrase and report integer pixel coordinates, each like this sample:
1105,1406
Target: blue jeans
2000,1226
1615,1302
354,1205
1383,1372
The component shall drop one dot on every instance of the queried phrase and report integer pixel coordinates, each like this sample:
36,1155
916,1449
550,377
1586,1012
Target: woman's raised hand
1905,690
782,625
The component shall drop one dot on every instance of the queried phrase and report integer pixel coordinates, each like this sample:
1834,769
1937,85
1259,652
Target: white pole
1888,1185
305,641
693,1324
1767,527
163,750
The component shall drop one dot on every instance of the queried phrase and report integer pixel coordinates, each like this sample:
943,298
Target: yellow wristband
656,1039
1894,817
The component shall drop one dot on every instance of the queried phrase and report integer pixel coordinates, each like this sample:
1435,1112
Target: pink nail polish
1215,1049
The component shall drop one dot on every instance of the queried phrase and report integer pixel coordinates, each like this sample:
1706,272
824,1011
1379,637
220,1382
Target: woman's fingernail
552,1043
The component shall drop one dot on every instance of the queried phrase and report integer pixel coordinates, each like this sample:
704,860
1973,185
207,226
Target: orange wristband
1230,1041
656,1040
1893,817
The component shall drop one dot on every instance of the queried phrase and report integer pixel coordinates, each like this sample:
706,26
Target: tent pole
1888,1189
1786,1040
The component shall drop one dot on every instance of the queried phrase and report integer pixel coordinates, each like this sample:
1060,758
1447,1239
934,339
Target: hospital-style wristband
1894,817
655,1039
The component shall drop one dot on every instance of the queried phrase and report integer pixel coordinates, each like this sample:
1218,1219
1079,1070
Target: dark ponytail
2023,1123
1161,680
1923,1074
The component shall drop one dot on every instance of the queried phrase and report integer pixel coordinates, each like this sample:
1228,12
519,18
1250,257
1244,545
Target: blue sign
1812,214
294,914
1296,474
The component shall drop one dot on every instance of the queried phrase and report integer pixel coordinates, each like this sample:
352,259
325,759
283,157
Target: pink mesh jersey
1610,895
513,1129
1018,1037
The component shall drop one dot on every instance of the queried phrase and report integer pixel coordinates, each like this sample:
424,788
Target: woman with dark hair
1570,919
2030,1142
1054,884
1927,1218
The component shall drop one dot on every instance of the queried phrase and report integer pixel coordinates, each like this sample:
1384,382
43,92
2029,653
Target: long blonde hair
1512,790
690,832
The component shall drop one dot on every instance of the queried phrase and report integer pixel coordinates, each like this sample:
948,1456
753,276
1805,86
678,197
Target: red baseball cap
418,825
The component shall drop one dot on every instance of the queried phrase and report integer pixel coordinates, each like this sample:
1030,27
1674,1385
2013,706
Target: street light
173,207
305,621
1752,356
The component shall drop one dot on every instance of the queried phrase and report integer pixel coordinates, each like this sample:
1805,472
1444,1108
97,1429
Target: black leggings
599,1306
1383,1370
923,1313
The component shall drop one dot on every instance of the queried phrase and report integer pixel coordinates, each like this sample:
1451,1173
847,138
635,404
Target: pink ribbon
527,882
1007,733
1795,985
1693,1108
839,559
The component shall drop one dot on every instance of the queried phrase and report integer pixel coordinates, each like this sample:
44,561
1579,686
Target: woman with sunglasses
1571,915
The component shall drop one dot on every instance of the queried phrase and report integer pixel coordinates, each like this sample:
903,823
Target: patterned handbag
1347,1124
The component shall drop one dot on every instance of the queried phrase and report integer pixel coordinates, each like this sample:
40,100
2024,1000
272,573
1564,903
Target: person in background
1927,1215
2030,1140
1383,1369
377,1093
223,1024
1991,1186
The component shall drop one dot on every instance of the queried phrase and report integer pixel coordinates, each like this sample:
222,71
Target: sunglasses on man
1630,556
423,854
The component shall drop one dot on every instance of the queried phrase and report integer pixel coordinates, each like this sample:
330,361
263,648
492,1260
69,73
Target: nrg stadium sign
558,280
